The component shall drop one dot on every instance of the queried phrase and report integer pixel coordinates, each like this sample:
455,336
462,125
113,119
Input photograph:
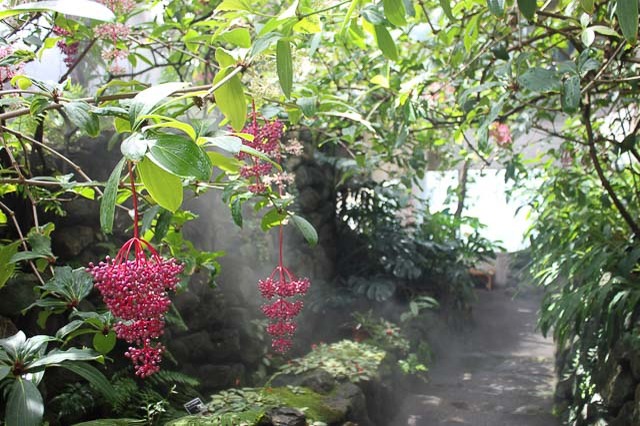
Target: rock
309,176
625,415
17,294
317,380
634,363
620,388
309,200
7,328
349,398
198,345
564,389
216,377
283,416
70,242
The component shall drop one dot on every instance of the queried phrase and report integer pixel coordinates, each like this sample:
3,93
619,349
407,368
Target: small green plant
380,333
354,361
23,362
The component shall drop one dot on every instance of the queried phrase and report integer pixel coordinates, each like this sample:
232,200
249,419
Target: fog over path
499,372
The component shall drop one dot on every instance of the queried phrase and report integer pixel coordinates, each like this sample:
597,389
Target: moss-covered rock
248,406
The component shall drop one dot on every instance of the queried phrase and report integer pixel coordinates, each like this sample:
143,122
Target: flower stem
135,201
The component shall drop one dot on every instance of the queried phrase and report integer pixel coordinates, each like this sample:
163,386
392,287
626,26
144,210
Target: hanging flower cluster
283,288
136,292
501,133
68,50
266,139
114,31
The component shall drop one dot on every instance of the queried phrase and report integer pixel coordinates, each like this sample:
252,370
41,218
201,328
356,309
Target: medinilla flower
135,290
266,139
282,288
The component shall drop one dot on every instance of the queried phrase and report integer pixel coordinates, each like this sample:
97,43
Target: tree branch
593,154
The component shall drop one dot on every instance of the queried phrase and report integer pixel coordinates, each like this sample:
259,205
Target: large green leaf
231,144
308,231
134,147
71,284
165,188
4,371
272,218
238,36
147,100
539,80
235,5
7,267
446,8
227,164
395,11
284,66
93,376
24,405
230,98
385,42
80,115
627,12
13,344
180,156
104,343
571,94
81,8
108,202
57,356
587,5
527,8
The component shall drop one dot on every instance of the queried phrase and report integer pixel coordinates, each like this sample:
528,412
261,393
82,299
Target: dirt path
500,373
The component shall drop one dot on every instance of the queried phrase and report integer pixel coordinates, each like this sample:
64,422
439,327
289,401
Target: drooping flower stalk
136,292
281,288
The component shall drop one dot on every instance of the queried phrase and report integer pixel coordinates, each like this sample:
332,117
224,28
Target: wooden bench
487,274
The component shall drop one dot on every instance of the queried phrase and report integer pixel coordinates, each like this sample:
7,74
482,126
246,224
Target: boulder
317,380
283,416
620,389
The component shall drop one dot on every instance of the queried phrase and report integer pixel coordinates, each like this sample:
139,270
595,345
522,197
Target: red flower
136,292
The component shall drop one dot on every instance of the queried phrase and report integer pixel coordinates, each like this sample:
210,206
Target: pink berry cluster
135,291
68,50
266,139
9,71
119,6
501,133
282,285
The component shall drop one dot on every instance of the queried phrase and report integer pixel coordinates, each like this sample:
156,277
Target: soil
500,372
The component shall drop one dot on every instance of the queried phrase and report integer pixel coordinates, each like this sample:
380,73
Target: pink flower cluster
114,31
68,50
266,139
119,6
9,71
135,291
282,285
501,133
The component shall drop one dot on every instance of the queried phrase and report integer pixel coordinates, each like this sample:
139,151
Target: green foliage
392,85
22,365
344,360
245,406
